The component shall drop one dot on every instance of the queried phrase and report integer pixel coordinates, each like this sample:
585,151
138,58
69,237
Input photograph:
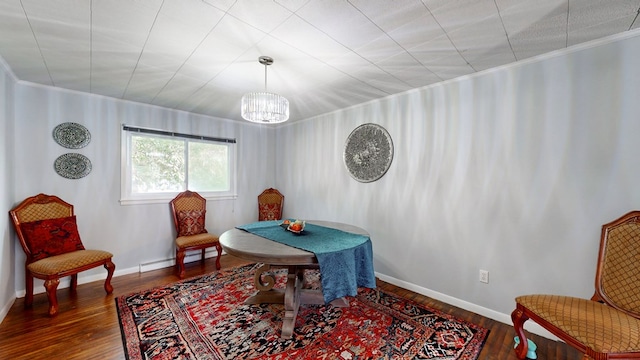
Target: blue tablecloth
345,259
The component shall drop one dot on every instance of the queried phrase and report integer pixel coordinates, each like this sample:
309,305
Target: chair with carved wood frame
188,209
47,230
270,203
607,326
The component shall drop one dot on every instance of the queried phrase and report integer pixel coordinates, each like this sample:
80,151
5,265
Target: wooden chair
608,325
270,204
46,227
189,209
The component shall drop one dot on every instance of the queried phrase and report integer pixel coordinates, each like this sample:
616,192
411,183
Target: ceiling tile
292,5
18,45
450,67
593,19
535,28
303,36
455,14
409,23
263,15
177,31
482,39
341,21
62,35
379,49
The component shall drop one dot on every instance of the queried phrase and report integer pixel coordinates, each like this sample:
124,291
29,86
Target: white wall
7,245
135,234
513,171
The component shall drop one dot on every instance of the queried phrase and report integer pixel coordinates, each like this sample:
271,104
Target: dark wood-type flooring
87,324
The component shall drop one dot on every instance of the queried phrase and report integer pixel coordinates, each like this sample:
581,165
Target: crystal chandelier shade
265,107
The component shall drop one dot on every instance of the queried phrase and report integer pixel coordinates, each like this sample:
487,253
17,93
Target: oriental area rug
206,318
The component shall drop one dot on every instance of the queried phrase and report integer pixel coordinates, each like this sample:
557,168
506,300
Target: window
157,165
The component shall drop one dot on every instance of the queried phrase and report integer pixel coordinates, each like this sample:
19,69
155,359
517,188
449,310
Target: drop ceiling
202,56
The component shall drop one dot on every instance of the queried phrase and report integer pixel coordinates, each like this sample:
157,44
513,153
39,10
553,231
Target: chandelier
265,107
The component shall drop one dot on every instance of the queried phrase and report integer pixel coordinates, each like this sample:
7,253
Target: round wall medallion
71,135
72,166
368,152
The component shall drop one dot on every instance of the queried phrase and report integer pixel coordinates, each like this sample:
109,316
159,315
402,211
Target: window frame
129,198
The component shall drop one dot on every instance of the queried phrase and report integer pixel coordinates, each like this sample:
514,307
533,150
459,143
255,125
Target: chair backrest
187,201
270,204
618,271
35,208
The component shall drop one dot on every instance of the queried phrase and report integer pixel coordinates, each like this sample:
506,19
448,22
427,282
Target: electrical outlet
484,276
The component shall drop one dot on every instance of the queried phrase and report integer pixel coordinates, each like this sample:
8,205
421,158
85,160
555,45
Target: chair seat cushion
60,264
600,327
196,240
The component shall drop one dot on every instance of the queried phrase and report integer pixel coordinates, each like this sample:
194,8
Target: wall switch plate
484,276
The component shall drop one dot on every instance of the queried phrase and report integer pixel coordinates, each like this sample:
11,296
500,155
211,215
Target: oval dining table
272,254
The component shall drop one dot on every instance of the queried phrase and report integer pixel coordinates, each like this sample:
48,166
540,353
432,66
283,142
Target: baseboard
189,258
491,314
5,309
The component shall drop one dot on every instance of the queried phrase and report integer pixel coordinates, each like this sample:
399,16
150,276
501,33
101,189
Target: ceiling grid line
566,34
395,41
135,68
506,34
353,51
634,19
448,36
208,82
35,38
346,47
188,57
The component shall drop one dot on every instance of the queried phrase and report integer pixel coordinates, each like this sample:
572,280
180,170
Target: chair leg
219,249
518,317
202,256
28,298
52,285
111,267
73,286
180,262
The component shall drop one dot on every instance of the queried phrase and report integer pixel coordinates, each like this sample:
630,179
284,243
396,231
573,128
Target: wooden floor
87,324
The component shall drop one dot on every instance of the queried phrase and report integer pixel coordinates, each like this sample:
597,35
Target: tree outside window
166,165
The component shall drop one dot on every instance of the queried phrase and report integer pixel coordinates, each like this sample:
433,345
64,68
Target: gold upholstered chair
189,209
608,325
47,230
270,204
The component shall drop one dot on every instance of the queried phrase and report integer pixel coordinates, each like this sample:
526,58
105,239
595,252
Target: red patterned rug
206,318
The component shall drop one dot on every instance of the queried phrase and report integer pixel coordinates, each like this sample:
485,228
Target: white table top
252,247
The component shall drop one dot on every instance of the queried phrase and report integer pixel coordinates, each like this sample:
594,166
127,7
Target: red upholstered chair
608,325
270,204
46,228
189,209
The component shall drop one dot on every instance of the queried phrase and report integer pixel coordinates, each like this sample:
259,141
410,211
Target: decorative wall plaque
368,152
71,135
72,166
